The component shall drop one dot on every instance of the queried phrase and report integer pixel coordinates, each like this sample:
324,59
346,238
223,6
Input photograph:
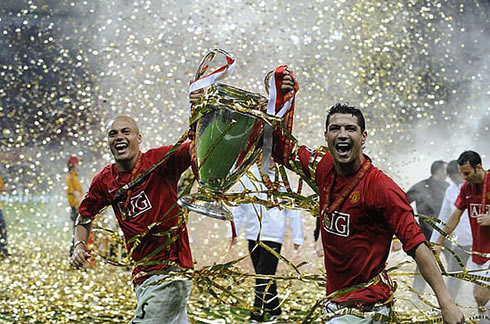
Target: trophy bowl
228,140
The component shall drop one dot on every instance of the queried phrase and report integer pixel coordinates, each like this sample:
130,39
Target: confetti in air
418,69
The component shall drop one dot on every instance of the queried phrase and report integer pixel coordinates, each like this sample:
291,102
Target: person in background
428,194
74,191
3,226
474,197
462,231
270,231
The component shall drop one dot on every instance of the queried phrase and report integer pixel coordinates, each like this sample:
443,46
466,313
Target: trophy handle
267,81
202,68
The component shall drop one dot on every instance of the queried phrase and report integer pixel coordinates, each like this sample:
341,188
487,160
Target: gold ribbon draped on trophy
232,128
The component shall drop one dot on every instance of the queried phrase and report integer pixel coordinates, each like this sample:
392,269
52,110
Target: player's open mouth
121,148
343,148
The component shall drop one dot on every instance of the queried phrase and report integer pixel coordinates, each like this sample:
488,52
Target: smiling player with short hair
361,209
154,230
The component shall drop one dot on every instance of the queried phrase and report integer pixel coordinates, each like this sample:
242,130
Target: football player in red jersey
145,207
361,209
474,196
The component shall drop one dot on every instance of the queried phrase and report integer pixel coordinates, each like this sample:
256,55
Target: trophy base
213,209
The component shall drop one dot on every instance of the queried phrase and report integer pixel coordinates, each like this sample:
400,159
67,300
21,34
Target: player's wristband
79,242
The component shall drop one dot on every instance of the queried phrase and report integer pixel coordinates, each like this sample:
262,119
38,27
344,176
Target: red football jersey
357,238
470,197
154,200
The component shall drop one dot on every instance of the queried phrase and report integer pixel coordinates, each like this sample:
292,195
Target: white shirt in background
463,230
273,220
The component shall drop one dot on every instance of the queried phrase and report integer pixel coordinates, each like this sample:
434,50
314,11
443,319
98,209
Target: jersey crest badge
354,197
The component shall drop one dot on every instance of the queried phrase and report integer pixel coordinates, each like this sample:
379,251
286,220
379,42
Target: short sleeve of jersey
292,155
94,200
182,157
302,159
460,202
391,202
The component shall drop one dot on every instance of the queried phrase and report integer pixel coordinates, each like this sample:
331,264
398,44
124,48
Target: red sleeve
94,200
301,159
304,155
391,202
182,157
460,202
295,157
176,163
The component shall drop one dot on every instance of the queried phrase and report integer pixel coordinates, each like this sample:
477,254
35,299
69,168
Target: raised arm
286,151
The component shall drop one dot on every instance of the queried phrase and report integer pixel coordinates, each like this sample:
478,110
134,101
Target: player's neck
439,177
481,176
126,165
348,169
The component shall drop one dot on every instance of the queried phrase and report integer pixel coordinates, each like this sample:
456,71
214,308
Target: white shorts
162,302
332,308
485,271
